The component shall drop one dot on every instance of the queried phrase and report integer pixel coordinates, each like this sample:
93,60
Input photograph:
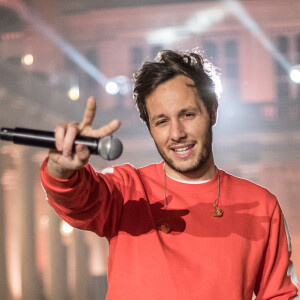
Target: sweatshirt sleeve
86,200
277,277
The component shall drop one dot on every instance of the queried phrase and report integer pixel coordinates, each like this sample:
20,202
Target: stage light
66,229
74,93
295,73
237,9
199,22
119,84
27,59
164,35
112,88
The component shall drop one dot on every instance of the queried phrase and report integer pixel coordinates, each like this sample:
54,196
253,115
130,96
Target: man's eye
160,122
188,115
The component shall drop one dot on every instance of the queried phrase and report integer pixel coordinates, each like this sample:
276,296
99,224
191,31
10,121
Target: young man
180,229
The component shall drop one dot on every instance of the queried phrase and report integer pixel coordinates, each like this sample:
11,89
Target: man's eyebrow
192,85
189,108
182,111
194,109
155,117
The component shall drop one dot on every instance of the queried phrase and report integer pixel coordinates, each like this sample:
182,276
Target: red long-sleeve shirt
203,257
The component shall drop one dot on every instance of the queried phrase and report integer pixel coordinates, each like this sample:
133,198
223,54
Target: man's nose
177,131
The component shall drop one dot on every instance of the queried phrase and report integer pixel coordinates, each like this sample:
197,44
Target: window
231,56
298,61
231,49
298,44
283,91
282,43
136,57
225,55
211,50
231,70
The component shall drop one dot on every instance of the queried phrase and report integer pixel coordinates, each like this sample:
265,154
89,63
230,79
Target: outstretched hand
63,162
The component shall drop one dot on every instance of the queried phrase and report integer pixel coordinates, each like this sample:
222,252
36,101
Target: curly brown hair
167,65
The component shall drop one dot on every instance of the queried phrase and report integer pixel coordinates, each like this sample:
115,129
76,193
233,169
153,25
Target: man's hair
167,65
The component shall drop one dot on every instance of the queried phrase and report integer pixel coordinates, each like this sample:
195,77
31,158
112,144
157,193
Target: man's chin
184,167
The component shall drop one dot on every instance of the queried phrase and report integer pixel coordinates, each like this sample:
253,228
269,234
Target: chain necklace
218,211
163,224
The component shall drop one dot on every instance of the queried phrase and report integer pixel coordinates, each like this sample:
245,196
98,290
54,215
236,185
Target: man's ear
214,113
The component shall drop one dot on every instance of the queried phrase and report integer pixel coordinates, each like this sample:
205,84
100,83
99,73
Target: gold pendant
218,212
163,226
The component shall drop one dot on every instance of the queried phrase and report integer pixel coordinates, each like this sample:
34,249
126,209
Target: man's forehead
182,89
177,80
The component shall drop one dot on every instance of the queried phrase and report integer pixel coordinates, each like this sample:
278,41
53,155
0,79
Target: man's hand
62,162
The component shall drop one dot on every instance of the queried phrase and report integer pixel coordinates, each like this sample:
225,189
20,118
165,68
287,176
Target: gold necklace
163,224
218,211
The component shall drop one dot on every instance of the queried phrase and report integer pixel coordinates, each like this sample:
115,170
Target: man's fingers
85,126
65,134
60,132
89,113
83,153
69,139
106,129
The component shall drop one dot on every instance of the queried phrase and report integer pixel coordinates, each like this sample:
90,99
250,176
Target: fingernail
59,147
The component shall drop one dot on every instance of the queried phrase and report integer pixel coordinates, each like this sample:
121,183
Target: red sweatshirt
203,257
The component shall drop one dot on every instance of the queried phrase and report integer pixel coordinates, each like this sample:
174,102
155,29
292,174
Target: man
180,229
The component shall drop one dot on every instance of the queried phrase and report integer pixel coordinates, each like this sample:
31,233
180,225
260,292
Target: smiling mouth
183,150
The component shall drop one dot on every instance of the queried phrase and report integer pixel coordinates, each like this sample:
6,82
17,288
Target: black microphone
108,147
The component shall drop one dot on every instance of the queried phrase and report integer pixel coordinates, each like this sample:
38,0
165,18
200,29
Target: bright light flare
119,84
66,229
236,8
197,23
202,20
112,88
295,74
74,93
27,59
164,35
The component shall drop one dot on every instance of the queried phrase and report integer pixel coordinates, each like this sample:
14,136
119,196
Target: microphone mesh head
110,148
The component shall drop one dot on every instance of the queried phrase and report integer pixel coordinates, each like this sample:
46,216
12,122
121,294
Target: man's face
181,128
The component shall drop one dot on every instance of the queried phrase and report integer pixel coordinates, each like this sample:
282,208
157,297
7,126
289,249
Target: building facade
79,43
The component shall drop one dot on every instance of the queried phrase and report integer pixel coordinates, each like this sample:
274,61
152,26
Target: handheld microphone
108,147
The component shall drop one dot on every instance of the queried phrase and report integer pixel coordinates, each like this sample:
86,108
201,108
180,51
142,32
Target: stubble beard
202,158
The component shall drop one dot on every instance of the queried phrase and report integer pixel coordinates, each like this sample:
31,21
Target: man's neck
206,172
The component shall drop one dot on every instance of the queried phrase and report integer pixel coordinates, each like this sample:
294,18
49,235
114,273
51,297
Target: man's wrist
57,171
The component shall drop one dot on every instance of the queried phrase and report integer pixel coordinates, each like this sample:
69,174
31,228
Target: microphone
108,147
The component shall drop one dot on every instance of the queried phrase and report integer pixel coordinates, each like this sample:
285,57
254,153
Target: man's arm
73,188
277,278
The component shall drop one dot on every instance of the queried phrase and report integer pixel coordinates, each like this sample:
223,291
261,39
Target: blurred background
54,54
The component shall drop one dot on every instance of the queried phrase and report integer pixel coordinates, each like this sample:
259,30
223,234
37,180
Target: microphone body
109,147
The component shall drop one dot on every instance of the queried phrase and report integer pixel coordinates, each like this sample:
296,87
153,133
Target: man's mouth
183,150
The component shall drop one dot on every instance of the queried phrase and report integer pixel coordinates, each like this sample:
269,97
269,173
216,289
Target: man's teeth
182,150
